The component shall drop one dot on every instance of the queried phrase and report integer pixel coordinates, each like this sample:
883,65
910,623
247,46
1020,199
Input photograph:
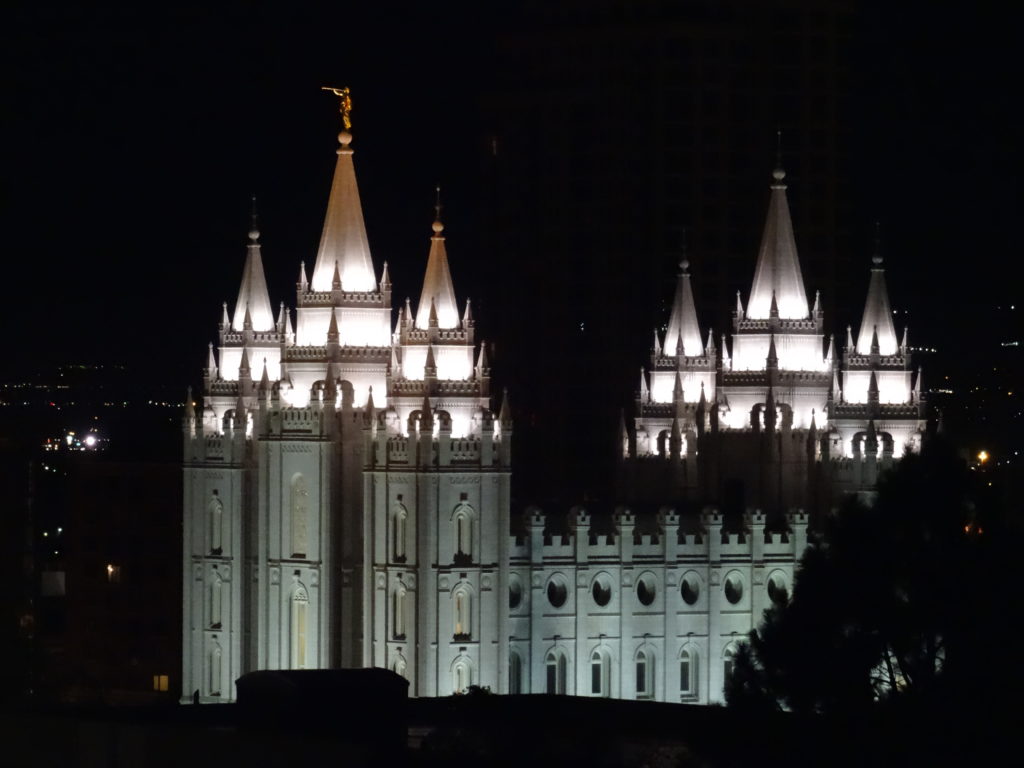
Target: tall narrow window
727,666
462,676
215,666
515,673
299,516
399,614
463,534
644,675
215,602
599,675
555,666
687,664
462,614
398,545
215,513
300,607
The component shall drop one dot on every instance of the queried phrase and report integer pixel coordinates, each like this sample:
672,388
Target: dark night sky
136,137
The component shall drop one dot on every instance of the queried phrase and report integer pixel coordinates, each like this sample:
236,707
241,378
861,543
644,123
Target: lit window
113,573
160,683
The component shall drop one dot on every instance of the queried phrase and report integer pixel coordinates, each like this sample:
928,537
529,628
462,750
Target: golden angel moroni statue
345,97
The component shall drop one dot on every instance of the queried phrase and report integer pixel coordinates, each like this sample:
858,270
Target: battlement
420,387
340,299
667,362
238,338
854,361
779,325
429,335
785,377
583,545
305,354
864,411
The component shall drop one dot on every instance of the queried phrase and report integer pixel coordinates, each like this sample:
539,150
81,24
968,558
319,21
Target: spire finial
684,263
345,107
876,258
254,222
778,174
438,226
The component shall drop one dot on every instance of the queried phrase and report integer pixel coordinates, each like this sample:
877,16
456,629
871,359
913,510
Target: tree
900,599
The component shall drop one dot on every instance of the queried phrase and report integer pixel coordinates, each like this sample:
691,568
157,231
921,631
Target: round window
515,593
733,589
556,593
690,590
602,591
645,590
777,591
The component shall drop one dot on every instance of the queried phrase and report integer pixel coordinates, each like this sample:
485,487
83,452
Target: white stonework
347,485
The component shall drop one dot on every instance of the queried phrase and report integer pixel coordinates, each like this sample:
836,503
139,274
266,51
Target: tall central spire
343,241
778,267
877,314
252,294
438,291
682,323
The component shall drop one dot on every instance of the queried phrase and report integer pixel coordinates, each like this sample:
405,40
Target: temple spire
253,298
438,291
343,241
683,332
877,314
644,392
778,266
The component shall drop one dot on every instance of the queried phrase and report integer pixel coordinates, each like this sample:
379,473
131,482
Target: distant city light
90,441
982,456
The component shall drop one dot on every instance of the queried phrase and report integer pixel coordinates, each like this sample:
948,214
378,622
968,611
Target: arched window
215,512
728,663
300,608
215,667
401,516
644,674
462,676
687,673
215,601
300,516
600,677
515,673
555,665
462,613
463,519
399,614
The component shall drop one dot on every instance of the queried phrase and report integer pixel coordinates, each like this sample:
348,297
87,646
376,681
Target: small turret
773,358
917,386
873,389
904,347
483,367
726,361
432,319
773,309
830,355
247,320
656,348
225,323
396,365
265,378
849,338
812,437
211,364
333,337
370,411
817,304
467,316
385,280
677,389
645,395
702,410
739,306
408,313
874,343
835,392
770,416
430,366
709,348
336,278
303,283
675,440
505,415
244,371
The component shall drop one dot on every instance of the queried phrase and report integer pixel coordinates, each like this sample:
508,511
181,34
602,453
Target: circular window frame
558,584
690,581
646,584
732,588
515,589
604,583
778,595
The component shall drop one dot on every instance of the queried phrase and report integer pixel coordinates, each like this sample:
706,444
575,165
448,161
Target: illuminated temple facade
347,483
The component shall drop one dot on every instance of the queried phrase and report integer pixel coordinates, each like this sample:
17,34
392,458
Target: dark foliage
903,601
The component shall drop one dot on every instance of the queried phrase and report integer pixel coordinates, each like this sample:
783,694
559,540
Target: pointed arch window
399,613
462,613
399,526
644,674
728,665
299,516
299,626
216,588
600,674
555,667
216,655
400,667
215,515
462,676
687,673
463,520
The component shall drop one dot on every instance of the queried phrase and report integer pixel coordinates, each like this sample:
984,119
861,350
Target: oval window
515,593
556,593
733,589
602,592
645,591
777,591
690,590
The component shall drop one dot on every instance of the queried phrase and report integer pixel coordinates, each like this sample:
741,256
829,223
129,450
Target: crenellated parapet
668,545
339,298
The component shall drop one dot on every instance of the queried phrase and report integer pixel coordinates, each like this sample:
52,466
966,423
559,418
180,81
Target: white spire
344,235
252,295
778,267
877,315
437,283
682,323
